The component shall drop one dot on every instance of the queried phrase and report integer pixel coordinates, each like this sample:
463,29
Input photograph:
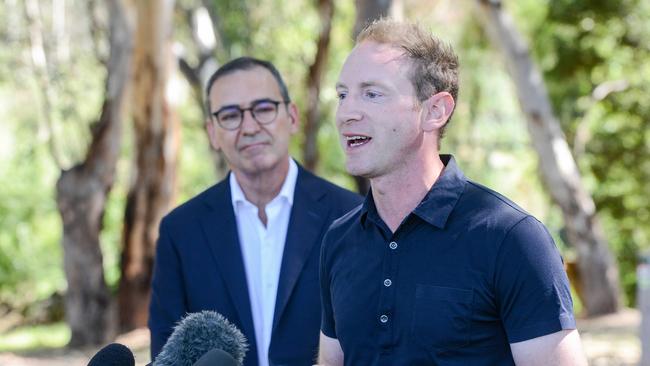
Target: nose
348,111
249,126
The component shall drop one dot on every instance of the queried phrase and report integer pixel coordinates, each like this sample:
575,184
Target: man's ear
437,110
294,117
212,133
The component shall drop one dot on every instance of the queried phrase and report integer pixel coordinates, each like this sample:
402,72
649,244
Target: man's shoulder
483,202
196,206
344,224
327,190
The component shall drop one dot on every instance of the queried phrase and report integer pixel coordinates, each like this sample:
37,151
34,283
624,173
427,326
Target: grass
29,338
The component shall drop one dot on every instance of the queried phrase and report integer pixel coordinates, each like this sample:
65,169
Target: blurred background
101,134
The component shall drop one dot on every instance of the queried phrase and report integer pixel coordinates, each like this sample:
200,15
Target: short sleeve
532,289
327,315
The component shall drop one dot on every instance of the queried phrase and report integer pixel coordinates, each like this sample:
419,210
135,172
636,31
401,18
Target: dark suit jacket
199,266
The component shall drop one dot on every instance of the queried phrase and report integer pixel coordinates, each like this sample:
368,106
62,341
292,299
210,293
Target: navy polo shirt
465,274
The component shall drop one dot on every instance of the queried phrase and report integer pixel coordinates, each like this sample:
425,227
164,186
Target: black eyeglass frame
251,109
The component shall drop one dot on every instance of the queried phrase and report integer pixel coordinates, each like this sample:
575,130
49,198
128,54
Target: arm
329,351
562,348
167,304
534,298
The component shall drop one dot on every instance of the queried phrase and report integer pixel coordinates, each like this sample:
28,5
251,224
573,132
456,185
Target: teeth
357,140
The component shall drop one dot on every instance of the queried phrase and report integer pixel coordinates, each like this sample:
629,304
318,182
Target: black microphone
216,357
199,333
114,354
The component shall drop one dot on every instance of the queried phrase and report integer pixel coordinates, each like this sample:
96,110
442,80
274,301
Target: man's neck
398,194
261,188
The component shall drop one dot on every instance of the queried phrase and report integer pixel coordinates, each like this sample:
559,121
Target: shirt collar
286,192
437,204
369,211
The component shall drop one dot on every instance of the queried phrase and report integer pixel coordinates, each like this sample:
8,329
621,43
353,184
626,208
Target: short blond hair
435,64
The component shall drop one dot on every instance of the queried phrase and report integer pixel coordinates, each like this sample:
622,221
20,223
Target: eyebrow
366,84
363,84
253,102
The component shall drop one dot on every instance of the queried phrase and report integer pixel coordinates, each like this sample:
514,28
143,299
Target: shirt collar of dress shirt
286,192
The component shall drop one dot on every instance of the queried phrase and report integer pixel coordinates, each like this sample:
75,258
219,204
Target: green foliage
29,222
236,26
587,48
27,338
196,165
31,264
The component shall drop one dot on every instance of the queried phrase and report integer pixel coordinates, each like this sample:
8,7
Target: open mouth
357,140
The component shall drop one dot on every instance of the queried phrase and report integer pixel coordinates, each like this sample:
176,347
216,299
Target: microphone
198,334
114,354
216,357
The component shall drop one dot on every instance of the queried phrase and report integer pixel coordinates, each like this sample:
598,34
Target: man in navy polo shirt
432,269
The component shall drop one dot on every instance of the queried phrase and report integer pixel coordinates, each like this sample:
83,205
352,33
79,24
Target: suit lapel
220,227
308,216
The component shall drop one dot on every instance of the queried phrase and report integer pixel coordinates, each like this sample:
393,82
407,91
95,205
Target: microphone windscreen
114,354
199,333
216,357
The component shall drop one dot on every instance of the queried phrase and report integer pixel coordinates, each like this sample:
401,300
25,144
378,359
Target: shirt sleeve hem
563,322
328,332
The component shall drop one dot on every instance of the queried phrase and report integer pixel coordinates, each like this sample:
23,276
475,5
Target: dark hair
246,63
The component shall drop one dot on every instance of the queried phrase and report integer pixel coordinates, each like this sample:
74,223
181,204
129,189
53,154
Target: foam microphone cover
114,354
216,357
197,334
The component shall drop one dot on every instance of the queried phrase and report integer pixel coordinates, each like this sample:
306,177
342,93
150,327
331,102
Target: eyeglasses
263,111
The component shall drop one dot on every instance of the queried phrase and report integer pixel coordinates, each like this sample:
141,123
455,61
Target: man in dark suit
249,246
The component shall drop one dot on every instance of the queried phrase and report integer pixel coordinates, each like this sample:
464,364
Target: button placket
387,298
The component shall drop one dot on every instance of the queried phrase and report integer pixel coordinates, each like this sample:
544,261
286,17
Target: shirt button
392,245
383,318
388,282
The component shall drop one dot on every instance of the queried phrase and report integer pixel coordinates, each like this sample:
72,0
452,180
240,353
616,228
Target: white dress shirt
262,249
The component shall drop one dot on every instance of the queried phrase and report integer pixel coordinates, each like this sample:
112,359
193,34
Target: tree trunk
369,10
197,76
157,137
597,269
314,78
82,192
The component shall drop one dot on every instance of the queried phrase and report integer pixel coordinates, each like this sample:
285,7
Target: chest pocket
442,317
